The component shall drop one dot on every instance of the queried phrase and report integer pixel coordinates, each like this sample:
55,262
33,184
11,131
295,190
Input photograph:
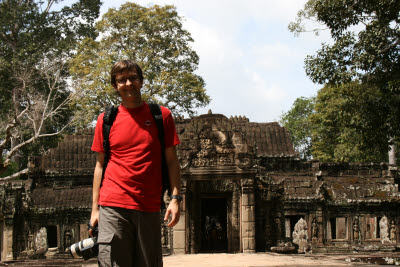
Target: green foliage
297,122
363,65
36,44
347,124
10,169
155,39
366,35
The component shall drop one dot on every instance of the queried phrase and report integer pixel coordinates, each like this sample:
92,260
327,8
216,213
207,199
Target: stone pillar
248,217
7,239
321,229
235,222
179,234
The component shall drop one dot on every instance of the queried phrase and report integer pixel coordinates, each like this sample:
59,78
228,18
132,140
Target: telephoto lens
87,248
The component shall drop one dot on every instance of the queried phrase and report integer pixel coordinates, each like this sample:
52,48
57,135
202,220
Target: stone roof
72,155
338,190
270,139
62,199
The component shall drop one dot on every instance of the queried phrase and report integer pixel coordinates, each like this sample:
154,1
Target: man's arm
175,183
98,172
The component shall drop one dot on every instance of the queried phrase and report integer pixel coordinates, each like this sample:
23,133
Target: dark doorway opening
51,236
214,225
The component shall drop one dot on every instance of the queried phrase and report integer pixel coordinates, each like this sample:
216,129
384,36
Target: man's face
128,85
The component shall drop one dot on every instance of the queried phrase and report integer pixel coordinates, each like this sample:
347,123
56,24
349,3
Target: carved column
235,222
248,217
179,229
7,239
320,221
279,227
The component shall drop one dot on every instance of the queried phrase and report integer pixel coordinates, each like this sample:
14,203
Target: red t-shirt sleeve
97,145
170,138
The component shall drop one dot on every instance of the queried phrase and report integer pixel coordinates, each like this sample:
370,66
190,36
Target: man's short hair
124,65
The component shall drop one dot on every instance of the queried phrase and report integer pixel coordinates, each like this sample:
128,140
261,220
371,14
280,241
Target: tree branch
389,47
30,140
10,126
15,175
49,4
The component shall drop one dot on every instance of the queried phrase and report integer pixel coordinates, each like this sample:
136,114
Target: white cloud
251,63
272,56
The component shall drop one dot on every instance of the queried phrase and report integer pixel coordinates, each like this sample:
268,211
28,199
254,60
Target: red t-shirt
133,176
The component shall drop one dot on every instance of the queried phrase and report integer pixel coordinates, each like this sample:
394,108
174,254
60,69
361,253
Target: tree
297,121
155,39
36,44
366,49
341,121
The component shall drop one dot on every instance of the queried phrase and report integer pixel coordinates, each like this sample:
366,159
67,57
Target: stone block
248,200
181,224
179,251
248,229
248,213
249,245
179,240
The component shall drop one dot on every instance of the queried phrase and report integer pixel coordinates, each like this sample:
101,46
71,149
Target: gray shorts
129,238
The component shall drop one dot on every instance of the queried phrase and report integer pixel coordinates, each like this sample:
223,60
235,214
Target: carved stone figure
314,229
393,231
41,239
300,235
384,229
30,245
67,237
356,229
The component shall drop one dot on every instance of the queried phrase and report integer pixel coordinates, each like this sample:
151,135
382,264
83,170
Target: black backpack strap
109,117
157,116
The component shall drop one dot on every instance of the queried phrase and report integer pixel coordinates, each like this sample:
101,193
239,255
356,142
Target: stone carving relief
384,230
314,229
164,235
41,239
300,235
9,206
212,141
356,229
67,237
219,186
30,244
393,231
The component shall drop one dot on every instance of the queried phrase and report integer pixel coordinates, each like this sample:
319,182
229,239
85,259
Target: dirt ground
242,260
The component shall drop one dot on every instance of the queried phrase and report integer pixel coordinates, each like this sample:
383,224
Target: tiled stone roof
73,155
269,139
66,198
338,189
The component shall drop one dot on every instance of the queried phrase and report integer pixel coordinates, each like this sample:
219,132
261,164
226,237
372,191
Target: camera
87,248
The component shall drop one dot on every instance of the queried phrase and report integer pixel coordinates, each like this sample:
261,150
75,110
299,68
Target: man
126,205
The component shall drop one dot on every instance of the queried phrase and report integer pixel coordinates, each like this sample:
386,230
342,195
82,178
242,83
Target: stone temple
245,190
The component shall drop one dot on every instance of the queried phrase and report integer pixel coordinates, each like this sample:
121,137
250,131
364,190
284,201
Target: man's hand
174,211
94,219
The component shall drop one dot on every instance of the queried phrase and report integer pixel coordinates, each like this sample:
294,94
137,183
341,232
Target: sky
252,64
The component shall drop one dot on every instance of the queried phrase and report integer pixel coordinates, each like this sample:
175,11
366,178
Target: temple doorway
51,236
214,225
